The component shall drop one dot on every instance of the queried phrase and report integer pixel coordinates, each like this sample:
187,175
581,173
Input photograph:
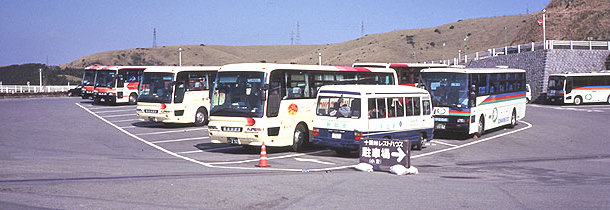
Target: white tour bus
275,103
117,84
176,94
345,114
474,100
408,73
579,88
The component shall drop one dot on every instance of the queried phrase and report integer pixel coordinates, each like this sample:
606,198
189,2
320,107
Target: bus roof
415,65
582,74
175,69
372,89
474,70
268,67
98,67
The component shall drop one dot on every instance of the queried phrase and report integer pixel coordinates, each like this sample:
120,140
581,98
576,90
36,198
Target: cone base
263,166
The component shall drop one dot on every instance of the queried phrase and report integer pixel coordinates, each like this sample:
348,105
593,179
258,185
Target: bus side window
381,106
391,108
417,106
409,105
427,109
355,108
400,108
373,112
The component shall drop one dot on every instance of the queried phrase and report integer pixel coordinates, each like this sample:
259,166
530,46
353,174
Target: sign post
385,153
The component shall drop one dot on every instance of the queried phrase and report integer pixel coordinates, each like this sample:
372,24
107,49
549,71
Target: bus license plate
336,135
441,119
440,126
232,140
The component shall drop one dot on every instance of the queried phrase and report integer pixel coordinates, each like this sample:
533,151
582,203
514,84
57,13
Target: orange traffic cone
262,162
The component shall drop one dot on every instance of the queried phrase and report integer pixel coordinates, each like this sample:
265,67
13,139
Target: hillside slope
566,20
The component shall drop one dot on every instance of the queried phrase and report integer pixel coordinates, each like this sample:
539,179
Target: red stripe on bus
133,85
347,68
398,65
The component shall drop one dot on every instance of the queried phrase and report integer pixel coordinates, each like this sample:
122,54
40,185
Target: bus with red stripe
579,88
473,100
117,84
275,103
88,82
408,73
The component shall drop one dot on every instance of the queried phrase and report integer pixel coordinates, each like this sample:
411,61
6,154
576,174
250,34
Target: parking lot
69,153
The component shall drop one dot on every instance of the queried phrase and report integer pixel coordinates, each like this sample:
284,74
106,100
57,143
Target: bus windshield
556,83
105,79
238,94
88,78
447,89
156,87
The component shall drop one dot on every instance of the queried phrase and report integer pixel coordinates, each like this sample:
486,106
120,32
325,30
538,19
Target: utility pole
180,56
40,76
443,50
154,44
361,28
544,28
292,38
505,39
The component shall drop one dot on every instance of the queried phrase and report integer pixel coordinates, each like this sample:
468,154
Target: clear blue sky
65,30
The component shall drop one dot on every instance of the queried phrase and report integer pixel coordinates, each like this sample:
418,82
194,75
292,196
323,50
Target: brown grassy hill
566,19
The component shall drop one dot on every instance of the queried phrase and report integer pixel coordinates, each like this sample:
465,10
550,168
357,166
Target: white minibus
346,114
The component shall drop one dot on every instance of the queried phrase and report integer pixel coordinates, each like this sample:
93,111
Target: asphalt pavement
68,153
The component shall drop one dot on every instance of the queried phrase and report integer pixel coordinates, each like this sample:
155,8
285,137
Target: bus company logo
588,97
293,109
440,110
494,114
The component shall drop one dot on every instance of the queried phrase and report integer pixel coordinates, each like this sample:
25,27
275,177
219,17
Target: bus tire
133,99
97,100
513,119
481,127
420,143
608,100
300,138
578,100
201,117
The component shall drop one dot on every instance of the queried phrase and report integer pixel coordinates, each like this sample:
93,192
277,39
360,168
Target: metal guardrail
12,89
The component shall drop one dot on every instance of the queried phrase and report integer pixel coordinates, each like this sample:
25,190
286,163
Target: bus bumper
451,127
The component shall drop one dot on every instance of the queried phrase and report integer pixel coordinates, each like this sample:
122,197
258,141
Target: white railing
534,46
34,89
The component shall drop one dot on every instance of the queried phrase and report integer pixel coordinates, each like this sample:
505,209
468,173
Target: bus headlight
462,120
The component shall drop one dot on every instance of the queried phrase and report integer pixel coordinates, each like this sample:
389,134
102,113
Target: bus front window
105,79
238,94
556,83
156,87
447,89
88,78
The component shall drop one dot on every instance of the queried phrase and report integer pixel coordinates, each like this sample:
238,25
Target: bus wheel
133,99
201,117
481,127
96,101
608,99
513,119
300,138
420,144
577,100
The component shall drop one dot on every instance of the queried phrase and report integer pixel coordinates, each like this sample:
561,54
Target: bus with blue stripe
346,114
473,100
579,88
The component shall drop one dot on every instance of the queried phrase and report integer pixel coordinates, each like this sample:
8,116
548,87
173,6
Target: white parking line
174,131
120,115
529,125
106,107
128,127
120,110
271,158
178,140
190,152
443,143
129,120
